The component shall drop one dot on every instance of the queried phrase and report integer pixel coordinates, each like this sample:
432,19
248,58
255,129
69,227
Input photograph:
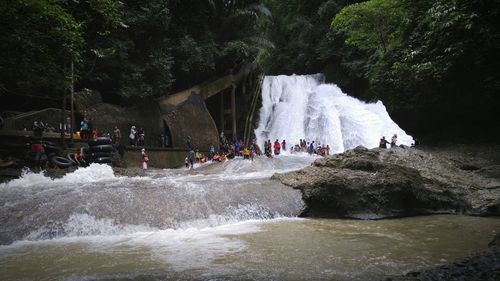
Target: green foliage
294,30
125,49
430,61
373,26
38,40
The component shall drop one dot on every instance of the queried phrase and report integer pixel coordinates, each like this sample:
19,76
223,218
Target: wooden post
221,116
63,119
233,109
72,98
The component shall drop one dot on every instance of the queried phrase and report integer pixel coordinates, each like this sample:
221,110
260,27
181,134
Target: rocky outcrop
379,183
186,115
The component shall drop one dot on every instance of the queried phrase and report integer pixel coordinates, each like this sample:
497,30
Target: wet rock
379,183
469,167
495,242
490,171
129,172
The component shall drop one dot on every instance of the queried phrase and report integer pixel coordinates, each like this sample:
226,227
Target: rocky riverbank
402,181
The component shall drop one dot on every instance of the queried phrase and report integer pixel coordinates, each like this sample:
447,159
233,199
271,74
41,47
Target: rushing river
224,221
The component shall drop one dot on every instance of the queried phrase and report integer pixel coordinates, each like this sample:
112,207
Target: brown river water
218,222
277,249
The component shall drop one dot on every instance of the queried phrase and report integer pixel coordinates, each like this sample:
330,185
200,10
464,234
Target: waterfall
303,106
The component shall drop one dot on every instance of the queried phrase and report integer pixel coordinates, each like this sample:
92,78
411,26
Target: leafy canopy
373,26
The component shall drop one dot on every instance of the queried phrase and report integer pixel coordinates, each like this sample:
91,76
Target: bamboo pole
233,110
72,98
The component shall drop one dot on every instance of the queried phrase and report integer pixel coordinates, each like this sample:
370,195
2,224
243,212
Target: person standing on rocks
84,129
383,143
191,158
141,135
311,148
90,126
117,135
394,139
212,151
145,159
132,136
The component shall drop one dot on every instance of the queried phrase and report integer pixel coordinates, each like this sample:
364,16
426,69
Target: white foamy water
94,201
302,106
91,174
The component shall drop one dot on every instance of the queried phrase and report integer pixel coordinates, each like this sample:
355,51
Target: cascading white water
303,107
93,201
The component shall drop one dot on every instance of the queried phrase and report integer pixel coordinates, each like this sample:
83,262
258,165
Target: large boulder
378,183
185,115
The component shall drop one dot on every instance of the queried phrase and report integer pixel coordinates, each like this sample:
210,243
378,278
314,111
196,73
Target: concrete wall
106,116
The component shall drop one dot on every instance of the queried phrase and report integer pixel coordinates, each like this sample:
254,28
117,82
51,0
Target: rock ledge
402,181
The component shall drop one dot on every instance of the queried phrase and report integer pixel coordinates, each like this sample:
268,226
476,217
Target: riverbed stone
379,183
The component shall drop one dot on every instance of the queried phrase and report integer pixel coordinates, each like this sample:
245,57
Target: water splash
93,201
91,174
302,106
79,225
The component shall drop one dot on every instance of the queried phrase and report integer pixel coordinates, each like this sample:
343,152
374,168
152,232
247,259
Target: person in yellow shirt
246,153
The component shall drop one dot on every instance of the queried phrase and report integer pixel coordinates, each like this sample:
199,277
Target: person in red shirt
39,150
277,147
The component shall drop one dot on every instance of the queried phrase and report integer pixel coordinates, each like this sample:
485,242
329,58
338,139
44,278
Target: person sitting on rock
223,157
383,143
216,157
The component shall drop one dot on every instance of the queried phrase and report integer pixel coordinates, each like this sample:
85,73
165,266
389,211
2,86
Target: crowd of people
302,146
230,150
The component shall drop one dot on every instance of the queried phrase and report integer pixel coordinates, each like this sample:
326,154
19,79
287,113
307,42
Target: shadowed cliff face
189,117
382,183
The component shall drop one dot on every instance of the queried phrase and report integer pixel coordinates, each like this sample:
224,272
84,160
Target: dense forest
433,63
